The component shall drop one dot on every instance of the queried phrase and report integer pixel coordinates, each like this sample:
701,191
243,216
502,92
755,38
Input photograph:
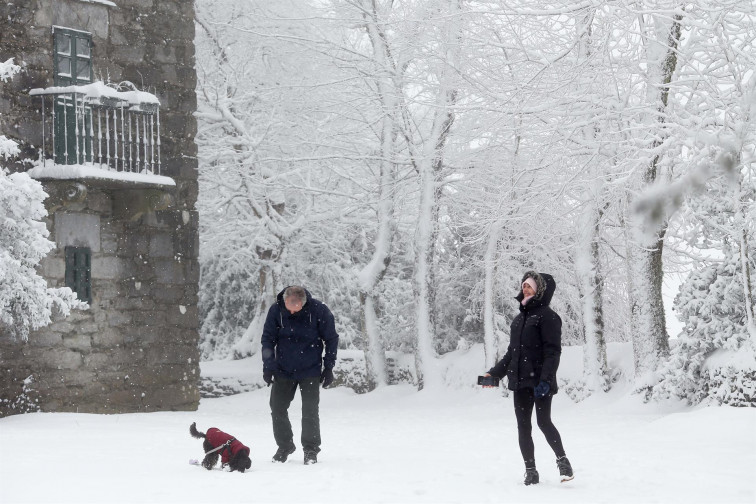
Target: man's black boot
283,453
310,457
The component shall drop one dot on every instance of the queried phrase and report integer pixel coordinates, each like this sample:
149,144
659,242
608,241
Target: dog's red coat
217,437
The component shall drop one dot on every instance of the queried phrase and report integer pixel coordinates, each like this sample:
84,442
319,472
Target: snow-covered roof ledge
103,2
92,171
99,92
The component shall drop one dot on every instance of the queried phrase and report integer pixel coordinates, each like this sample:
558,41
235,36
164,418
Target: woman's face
527,290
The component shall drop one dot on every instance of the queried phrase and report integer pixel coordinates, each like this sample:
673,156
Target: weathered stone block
92,17
87,328
145,336
151,318
107,337
45,338
108,267
84,379
78,230
53,267
109,243
161,245
100,202
125,400
164,54
190,295
65,328
97,361
170,295
169,271
103,292
170,399
128,53
78,342
59,358
117,319
128,303
134,243
169,354
183,316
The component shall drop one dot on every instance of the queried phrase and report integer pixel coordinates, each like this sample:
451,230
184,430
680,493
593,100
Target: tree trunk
490,340
250,342
429,170
425,355
375,356
651,341
373,272
595,368
741,228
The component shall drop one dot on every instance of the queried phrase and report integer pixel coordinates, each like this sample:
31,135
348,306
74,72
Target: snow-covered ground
392,445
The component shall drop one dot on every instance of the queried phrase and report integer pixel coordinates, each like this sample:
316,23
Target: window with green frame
72,59
79,272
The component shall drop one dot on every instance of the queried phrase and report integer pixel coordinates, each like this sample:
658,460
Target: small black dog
216,442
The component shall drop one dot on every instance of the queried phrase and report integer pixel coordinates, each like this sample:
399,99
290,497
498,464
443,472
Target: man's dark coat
292,344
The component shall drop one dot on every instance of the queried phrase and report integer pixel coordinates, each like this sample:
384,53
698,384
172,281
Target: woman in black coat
530,364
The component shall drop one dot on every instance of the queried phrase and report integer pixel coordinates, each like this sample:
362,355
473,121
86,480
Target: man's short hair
296,292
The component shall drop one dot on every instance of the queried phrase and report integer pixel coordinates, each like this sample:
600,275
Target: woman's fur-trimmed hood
546,286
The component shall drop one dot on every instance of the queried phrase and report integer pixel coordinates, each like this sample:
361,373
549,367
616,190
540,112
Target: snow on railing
113,127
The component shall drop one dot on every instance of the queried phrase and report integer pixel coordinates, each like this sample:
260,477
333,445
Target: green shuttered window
79,272
72,60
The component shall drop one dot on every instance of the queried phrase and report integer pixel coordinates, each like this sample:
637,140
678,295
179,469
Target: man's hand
268,377
326,377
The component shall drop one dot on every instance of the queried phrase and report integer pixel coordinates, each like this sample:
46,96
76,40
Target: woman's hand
541,390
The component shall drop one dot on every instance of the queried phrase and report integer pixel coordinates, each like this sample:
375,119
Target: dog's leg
209,461
211,458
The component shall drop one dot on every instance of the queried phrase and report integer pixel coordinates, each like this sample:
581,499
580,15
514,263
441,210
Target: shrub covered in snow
713,359
227,298
25,402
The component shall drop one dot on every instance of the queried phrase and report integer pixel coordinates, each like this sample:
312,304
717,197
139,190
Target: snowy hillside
456,444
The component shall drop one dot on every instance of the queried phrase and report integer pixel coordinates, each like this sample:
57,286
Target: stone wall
135,349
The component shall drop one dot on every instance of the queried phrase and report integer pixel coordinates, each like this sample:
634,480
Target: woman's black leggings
524,399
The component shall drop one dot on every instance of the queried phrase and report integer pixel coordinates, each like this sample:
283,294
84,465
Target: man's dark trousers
281,395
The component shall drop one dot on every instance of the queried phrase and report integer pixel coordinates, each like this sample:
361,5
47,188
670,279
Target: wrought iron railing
113,127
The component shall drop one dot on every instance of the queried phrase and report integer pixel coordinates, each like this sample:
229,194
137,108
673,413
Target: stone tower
104,107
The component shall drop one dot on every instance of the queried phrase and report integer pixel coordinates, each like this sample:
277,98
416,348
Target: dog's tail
194,432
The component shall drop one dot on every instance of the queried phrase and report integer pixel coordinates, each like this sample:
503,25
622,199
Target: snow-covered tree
712,360
26,303
409,160
259,150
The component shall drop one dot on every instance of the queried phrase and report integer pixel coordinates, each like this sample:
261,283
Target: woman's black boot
565,469
531,475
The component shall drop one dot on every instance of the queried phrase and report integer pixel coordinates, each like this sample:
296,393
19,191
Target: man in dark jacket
530,364
296,330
